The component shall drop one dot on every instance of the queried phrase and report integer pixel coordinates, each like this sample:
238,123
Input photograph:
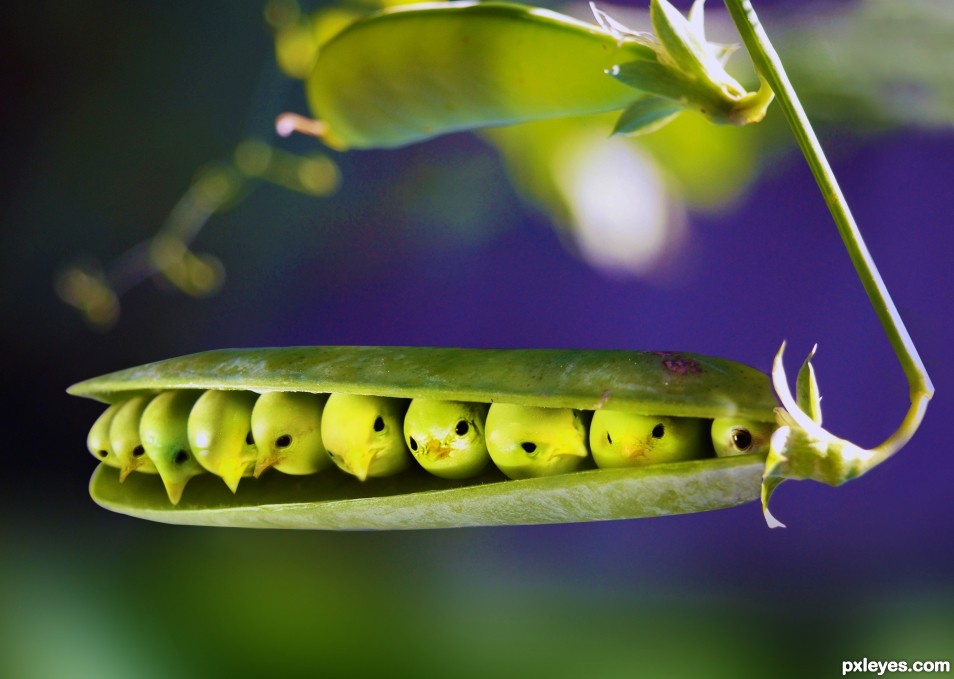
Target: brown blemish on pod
677,363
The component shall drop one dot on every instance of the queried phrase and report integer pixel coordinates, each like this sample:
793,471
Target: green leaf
684,46
646,115
654,78
806,389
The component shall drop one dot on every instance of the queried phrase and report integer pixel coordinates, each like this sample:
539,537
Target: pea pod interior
657,383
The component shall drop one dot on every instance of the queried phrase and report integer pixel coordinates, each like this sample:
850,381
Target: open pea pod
411,73
654,383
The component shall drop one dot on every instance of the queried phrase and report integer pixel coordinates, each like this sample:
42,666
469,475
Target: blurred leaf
645,116
876,62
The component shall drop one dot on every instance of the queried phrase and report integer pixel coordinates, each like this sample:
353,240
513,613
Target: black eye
249,439
283,441
413,444
462,428
181,457
609,439
138,451
378,423
741,439
528,446
104,453
658,431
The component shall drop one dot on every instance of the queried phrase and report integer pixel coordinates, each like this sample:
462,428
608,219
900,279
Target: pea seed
529,441
621,439
364,434
287,427
447,437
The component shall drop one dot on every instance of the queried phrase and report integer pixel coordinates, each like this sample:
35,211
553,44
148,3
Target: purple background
116,105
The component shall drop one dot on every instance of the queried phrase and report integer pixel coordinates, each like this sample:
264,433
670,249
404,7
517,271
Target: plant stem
770,67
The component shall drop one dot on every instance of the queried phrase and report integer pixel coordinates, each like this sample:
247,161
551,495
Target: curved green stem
770,67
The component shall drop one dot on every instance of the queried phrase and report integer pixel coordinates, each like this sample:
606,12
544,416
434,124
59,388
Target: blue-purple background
114,106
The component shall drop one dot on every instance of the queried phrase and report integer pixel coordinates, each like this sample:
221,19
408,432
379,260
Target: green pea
740,436
409,74
220,434
363,434
287,429
621,439
447,437
529,441
124,438
98,439
165,436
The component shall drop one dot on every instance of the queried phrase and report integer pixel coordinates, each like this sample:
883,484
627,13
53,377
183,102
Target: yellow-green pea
220,434
735,436
364,434
286,426
447,437
621,439
164,432
98,439
124,438
529,441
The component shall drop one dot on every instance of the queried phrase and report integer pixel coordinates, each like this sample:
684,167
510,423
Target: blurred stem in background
872,65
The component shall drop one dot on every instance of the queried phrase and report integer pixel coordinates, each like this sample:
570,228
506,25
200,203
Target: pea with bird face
622,439
447,437
98,439
164,432
287,429
364,435
124,438
220,434
529,441
735,436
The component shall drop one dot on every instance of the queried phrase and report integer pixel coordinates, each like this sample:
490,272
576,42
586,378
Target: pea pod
651,383
410,73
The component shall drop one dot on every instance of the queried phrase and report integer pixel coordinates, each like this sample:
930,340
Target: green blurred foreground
180,602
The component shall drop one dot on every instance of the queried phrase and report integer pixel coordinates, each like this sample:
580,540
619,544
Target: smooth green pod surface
447,437
621,439
664,383
164,431
462,65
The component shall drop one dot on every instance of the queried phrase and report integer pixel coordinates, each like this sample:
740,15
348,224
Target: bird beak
233,474
633,450
575,452
265,462
436,449
362,465
174,488
129,468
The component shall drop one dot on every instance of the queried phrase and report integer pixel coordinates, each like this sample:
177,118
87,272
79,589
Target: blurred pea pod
414,72
659,383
